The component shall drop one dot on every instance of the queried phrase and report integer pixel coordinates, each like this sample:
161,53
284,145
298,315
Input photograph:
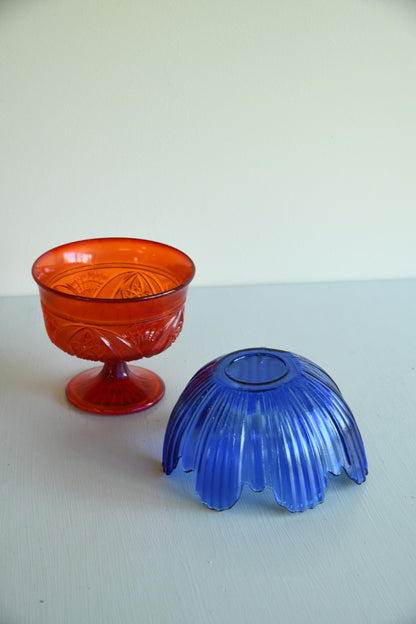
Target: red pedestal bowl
113,300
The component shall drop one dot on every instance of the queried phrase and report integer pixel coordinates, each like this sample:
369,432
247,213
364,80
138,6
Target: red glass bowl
113,300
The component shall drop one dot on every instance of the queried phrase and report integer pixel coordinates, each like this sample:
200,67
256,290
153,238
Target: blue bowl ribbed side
287,437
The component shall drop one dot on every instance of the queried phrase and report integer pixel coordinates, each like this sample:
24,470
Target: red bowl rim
107,300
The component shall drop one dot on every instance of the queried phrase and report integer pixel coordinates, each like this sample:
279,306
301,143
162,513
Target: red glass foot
115,389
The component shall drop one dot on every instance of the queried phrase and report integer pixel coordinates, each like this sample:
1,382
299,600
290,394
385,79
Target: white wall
272,141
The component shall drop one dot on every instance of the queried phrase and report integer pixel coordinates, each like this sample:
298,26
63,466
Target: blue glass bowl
267,418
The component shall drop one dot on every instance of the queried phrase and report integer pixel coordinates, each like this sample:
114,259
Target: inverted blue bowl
267,418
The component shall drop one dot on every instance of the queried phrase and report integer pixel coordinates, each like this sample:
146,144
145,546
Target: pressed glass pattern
113,300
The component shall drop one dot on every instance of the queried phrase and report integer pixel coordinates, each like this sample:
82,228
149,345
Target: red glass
113,300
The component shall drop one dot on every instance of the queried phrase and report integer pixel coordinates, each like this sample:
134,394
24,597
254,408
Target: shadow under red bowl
113,300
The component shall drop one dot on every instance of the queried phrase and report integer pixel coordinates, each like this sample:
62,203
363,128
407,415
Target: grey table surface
91,531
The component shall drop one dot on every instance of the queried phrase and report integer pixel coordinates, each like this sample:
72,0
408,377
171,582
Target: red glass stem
115,370
115,389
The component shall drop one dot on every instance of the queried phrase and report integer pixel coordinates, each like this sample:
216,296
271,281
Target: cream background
272,141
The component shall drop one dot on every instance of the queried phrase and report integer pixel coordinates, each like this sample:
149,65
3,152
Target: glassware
113,300
267,418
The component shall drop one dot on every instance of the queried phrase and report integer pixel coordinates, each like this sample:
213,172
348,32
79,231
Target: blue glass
267,418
